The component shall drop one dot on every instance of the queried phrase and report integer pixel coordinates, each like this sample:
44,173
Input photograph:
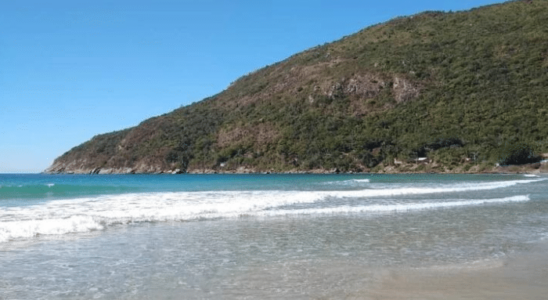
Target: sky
70,70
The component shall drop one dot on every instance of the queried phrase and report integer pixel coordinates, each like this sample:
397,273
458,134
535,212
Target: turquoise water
49,187
256,236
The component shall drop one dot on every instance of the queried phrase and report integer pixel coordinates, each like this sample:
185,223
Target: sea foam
393,207
351,182
90,214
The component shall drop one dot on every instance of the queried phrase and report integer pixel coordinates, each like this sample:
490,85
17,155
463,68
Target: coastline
423,250
538,168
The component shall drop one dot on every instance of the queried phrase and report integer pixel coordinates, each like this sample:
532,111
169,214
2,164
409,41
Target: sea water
253,236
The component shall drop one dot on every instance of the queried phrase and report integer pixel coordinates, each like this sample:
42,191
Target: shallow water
238,236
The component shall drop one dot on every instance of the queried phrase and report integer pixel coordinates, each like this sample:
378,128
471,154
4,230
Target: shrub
517,154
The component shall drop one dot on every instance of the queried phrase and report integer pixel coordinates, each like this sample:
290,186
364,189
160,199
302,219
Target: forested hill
466,89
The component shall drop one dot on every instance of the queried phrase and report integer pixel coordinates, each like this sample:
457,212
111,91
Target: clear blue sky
72,69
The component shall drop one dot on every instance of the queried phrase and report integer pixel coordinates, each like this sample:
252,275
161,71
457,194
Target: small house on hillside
418,160
423,160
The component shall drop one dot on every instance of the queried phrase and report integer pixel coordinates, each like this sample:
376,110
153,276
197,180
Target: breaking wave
90,214
352,182
392,207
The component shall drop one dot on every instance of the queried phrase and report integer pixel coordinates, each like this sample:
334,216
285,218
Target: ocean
260,236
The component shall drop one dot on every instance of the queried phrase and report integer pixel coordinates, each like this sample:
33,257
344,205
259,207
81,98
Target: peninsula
455,92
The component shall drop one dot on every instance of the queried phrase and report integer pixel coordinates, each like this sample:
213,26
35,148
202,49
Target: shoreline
520,275
524,169
221,245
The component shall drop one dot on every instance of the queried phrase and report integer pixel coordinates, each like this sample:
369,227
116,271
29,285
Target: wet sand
521,276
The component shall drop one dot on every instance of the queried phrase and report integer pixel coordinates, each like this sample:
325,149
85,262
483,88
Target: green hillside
466,89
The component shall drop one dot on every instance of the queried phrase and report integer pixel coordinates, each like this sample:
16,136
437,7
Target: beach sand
523,275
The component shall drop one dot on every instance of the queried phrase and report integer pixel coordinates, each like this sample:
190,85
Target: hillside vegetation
459,88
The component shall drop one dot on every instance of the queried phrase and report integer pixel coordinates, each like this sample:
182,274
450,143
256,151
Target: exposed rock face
365,86
404,90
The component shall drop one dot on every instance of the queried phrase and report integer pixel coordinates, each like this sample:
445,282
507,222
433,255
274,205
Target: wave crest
89,214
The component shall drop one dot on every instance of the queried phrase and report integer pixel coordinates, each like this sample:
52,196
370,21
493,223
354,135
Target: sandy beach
274,237
523,275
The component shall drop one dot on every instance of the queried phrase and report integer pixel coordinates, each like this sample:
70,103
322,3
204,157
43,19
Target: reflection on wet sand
522,276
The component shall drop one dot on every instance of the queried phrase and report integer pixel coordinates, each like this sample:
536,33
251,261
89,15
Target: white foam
463,187
349,182
530,175
392,208
89,214
32,228
50,184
